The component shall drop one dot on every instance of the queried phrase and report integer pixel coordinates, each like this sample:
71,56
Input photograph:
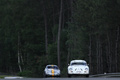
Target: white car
51,70
78,67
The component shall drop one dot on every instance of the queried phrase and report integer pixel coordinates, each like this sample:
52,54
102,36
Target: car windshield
78,63
52,67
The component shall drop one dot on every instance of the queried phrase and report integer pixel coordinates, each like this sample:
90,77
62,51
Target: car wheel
87,75
69,75
44,75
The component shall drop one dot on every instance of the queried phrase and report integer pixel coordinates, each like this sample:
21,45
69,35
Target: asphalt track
98,78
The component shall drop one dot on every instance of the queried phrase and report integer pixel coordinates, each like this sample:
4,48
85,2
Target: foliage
96,28
90,31
25,73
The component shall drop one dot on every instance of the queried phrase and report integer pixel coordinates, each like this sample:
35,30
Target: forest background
34,33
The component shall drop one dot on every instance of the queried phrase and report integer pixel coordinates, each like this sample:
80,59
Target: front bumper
74,75
78,72
55,74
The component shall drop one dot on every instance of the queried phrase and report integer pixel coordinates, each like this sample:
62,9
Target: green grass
2,76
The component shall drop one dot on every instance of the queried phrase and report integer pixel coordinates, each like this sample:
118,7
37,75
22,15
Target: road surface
65,79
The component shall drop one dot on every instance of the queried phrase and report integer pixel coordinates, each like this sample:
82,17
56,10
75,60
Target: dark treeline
34,33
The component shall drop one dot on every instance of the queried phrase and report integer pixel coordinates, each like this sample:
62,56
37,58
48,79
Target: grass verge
2,76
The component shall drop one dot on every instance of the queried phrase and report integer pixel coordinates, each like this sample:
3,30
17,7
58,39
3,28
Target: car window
52,67
78,63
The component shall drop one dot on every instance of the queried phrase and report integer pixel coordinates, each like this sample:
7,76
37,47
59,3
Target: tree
59,32
45,22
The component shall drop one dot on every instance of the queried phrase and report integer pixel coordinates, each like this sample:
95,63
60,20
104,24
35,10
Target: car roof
51,65
78,61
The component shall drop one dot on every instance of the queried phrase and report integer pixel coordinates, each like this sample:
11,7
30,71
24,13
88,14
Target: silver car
78,67
51,70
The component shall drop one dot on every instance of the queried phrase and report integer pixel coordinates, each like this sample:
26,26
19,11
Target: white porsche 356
78,67
51,70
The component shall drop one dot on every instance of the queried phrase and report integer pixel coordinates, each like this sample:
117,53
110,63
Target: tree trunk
109,55
71,5
70,15
97,56
19,61
90,51
45,22
46,39
116,50
100,57
54,35
59,31
68,57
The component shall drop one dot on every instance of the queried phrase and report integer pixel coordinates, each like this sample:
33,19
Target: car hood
53,69
78,66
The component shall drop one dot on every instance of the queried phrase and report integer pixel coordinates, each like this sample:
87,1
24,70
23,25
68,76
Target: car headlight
58,71
48,71
70,69
86,69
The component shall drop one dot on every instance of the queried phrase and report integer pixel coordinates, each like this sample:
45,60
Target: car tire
87,75
44,75
69,75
